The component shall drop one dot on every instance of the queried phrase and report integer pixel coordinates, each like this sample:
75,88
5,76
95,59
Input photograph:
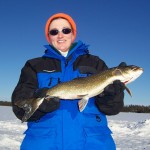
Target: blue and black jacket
63,127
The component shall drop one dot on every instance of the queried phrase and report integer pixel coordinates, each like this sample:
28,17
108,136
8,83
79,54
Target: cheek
72,38
52,38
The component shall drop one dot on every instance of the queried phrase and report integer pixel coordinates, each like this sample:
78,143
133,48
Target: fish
82,88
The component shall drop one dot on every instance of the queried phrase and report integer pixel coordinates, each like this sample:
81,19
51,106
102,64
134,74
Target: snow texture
131,131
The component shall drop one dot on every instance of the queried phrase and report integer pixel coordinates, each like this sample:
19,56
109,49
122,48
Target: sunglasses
64,31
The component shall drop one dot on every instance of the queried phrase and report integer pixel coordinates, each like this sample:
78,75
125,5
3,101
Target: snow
131,131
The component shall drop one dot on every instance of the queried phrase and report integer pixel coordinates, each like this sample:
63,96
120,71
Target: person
58,125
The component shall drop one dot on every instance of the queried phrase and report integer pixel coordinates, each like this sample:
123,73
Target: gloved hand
114,89
110,102
47,105
40,93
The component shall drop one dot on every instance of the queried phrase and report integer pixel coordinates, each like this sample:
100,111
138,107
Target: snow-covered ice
131,131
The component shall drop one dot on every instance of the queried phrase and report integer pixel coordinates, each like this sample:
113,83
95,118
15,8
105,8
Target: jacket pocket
98,138
92,116
38,132
96,131
49,79
39,139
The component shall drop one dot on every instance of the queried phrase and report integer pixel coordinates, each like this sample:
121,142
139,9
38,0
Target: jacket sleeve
110,102
24,90
27,88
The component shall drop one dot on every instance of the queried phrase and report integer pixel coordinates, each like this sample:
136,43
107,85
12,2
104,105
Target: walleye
82,88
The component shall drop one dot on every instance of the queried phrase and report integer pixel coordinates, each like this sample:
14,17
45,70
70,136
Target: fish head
127,74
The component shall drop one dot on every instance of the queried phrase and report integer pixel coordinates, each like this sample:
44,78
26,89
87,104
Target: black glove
40,93
47,105
110,102
113,89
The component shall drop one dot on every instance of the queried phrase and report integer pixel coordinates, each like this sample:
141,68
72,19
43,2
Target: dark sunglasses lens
53,32
66,31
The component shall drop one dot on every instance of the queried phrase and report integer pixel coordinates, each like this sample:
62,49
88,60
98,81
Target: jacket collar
79,49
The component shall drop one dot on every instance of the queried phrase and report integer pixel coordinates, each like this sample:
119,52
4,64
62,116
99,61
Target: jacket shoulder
92,57
90,61
35,61
43,63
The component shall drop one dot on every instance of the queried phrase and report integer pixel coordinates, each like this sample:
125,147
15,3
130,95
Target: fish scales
86,86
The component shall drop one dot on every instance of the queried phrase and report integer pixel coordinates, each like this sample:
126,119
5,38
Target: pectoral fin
82,103
81,96
48,97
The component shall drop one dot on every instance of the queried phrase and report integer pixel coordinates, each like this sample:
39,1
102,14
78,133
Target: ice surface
131,131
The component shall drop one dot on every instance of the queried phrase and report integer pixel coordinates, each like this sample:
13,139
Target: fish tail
29,106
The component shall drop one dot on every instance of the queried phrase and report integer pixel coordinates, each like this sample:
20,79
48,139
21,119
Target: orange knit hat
60,15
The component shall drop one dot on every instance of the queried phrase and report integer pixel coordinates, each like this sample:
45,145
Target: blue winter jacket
67,128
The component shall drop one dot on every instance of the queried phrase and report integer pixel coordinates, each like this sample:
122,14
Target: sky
115,30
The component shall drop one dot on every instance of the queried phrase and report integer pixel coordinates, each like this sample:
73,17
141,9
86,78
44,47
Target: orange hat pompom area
60,15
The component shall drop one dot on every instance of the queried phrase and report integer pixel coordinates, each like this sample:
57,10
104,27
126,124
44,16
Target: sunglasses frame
54,32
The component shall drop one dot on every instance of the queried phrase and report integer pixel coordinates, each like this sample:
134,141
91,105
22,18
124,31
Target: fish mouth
139,71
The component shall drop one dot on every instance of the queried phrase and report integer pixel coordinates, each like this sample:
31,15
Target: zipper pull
66,62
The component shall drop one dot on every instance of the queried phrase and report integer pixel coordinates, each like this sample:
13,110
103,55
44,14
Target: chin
63,50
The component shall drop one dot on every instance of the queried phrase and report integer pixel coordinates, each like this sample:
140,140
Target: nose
60,34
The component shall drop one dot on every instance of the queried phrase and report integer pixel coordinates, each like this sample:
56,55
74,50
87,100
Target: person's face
61,41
